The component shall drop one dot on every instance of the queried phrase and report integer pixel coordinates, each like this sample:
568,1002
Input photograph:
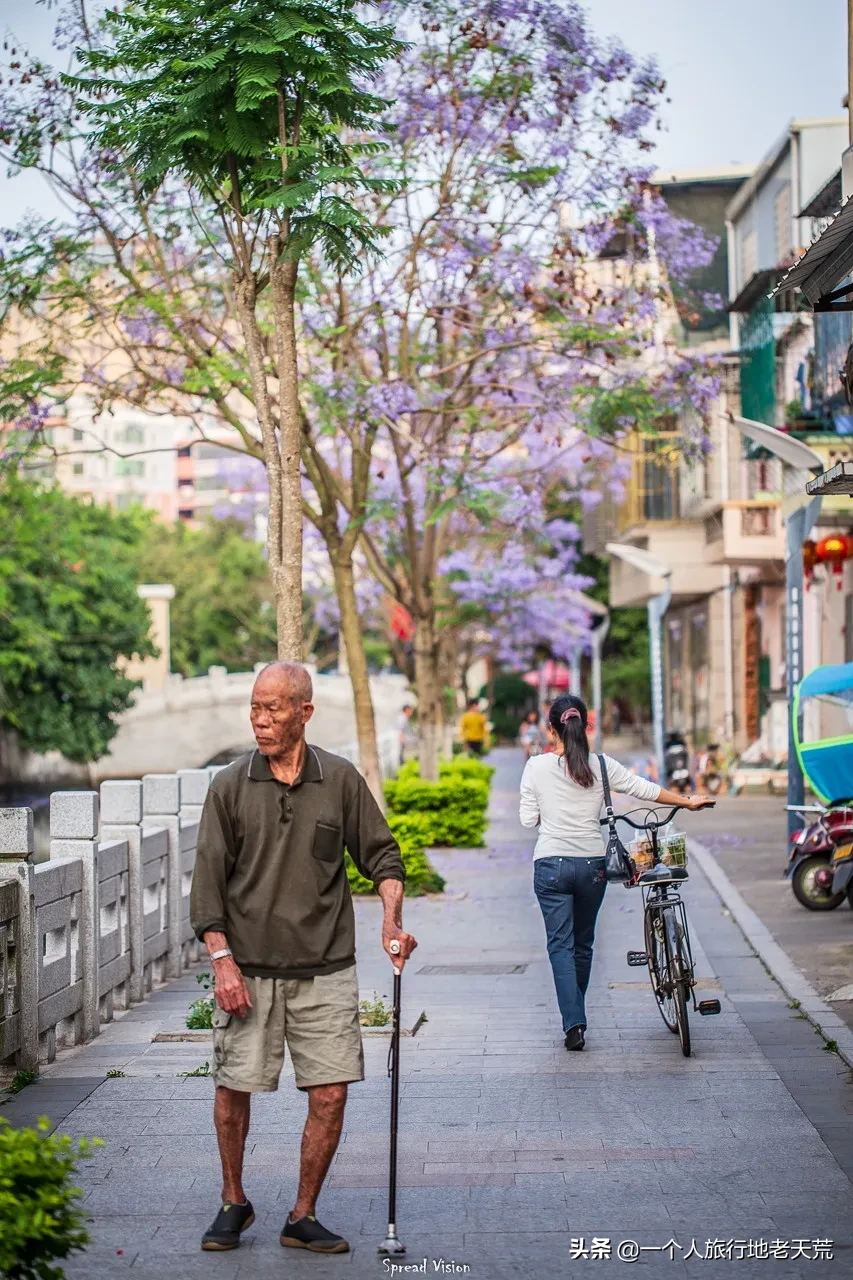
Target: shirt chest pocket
328,843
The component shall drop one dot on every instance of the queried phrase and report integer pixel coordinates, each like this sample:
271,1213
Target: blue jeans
570,893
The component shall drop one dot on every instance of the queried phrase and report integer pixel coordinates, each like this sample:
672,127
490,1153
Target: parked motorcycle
810,861
676,759
842,871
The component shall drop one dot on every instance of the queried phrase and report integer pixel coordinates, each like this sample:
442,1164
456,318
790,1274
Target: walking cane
391,1244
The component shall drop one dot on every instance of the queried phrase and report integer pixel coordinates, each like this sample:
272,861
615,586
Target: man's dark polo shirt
270,872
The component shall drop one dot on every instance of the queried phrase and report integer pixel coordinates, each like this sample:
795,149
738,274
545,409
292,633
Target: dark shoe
227,1225
574,1038
308,1233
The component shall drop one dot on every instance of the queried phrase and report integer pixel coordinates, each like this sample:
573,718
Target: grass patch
375,1012
115,1074
203,1070
21,1079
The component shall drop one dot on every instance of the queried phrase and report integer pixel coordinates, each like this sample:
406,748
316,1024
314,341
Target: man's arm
375,852
391,893
214,859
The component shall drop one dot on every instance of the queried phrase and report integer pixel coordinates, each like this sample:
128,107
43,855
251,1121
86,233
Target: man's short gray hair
298,678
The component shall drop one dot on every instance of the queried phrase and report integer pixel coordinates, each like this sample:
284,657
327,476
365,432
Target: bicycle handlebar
651,825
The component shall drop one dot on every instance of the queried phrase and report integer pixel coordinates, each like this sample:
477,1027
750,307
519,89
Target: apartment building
719,525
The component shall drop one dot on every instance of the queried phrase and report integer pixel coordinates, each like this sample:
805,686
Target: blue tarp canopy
828,680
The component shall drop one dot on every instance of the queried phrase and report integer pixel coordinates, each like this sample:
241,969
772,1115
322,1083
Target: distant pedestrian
271,901
562,794
615,717
405,729
531,736
472,728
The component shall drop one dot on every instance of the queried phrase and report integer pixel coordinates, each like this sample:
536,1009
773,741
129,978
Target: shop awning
839,479
827,261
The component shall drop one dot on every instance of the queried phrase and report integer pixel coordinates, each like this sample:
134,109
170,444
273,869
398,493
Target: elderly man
271,900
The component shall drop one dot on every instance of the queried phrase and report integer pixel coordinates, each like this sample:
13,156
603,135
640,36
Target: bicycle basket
673,850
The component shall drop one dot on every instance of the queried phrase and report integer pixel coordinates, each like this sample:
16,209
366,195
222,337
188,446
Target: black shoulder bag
617,864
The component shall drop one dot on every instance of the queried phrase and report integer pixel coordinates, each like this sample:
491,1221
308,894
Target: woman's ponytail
568,718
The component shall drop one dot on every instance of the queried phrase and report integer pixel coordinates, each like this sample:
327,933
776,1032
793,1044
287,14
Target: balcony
753,531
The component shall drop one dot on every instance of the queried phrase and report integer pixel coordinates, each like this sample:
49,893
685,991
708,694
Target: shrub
200,1013
40,1219
421,876
450,812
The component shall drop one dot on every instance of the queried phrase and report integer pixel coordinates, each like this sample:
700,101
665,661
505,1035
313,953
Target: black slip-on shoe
308,1233
224,1233
574,1038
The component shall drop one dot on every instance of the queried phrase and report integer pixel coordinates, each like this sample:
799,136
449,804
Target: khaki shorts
316,1017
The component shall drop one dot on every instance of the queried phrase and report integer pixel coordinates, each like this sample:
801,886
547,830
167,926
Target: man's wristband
220,955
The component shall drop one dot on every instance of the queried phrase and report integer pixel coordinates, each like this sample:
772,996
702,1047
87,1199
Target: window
186,451
127,500
186,513
77,469
782,222
76,435
748,257
131,435
657,477
130,467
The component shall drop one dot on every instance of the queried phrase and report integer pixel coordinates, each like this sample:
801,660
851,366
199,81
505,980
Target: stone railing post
74,834
194,786
161,806
17,845
121,819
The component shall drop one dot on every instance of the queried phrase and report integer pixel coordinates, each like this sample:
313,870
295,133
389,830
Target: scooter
810,868
842,871
676,759
710,770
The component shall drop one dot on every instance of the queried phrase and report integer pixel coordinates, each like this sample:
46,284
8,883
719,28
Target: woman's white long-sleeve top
568,814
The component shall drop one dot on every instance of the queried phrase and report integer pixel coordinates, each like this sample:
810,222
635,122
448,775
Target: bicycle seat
662,874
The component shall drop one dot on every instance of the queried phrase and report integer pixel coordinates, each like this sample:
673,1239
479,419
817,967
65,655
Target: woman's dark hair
571,729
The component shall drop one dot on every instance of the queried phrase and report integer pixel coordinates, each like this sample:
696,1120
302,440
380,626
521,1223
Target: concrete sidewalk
512,1150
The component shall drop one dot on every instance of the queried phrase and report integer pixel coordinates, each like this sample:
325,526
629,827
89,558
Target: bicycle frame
659,899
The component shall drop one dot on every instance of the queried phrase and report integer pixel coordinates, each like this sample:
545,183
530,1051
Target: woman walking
562,793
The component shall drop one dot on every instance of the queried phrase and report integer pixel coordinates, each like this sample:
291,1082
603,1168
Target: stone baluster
17,846
74,834
121,819
161,807
194,788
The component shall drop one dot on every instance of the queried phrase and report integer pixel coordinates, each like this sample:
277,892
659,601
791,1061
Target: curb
775,959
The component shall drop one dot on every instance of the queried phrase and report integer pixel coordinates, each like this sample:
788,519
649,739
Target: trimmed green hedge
450,812
421,876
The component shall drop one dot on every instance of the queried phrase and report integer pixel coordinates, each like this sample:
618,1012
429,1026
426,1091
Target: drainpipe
728,602
734,319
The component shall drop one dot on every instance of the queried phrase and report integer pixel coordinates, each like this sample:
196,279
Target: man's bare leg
320,1140
231,1109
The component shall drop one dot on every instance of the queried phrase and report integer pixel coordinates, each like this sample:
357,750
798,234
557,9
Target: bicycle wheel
659,968
679,971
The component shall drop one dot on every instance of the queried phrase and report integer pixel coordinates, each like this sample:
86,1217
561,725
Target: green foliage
69,614
450,812
512,700
203,1070
247,104
200,1013
222,613
375,1012
40,1218
421,876
115,1074
21,1079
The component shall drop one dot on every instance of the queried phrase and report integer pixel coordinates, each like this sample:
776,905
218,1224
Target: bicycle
668,952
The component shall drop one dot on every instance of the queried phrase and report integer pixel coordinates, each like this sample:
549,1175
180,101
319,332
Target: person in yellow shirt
472,728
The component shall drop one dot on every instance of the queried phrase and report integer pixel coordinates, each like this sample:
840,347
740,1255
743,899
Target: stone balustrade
105,920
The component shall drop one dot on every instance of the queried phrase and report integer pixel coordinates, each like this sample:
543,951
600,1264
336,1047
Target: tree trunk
365,720
288,578
429,691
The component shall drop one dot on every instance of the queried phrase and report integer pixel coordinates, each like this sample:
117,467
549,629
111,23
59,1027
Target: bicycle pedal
637,958
706,1007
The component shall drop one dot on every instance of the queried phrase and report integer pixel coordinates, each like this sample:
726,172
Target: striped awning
827,261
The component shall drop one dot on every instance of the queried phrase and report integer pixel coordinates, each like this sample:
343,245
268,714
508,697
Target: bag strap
608,799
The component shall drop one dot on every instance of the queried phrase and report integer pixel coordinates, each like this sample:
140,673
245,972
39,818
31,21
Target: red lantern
809,560
833,551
